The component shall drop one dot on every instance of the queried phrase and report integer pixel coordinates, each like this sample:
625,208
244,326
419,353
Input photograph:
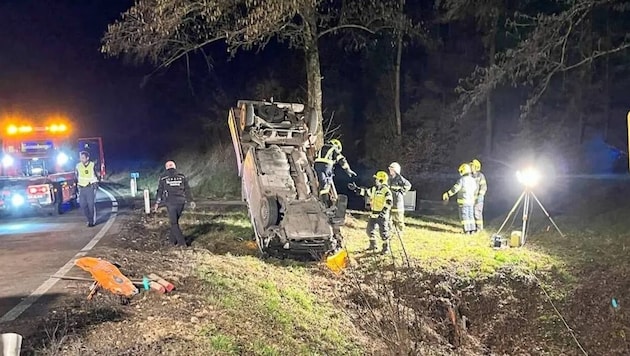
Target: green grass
437,244
268,309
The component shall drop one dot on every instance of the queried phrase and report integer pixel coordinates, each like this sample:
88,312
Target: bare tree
164,31
550,44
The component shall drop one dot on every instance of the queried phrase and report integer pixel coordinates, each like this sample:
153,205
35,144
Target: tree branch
340,27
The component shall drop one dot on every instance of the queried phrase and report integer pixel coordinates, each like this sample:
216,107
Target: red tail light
38,189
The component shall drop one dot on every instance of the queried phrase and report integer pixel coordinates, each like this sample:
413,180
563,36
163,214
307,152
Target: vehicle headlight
7,161
17,200
62,158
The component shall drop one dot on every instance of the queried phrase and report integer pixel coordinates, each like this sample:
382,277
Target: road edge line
17,310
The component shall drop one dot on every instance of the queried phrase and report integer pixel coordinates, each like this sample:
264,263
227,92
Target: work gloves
192,205
352,186
351,173
445,197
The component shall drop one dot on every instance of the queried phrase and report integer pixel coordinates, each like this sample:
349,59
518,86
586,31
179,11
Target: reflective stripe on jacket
330,155
482,185
399,185
465,188
380,198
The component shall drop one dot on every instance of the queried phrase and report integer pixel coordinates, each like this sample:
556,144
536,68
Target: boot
385,248
372,246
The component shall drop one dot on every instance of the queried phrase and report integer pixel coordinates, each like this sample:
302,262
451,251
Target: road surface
36,247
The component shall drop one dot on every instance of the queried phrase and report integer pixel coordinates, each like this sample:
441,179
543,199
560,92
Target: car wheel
269,211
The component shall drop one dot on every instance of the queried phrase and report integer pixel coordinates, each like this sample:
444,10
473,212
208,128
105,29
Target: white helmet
395,166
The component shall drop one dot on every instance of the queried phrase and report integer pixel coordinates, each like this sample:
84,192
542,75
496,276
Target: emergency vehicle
37,167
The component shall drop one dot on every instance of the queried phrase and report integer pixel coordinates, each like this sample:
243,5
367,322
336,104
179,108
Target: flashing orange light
57,128
13,129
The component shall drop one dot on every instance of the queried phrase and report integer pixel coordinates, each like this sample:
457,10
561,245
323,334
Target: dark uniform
399,185
174,191
328,156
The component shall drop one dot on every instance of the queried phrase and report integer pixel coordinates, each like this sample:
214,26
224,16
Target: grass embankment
458,296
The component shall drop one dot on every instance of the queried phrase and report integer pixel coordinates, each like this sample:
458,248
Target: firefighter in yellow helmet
482,188
465,188
399,185
328,156
381,201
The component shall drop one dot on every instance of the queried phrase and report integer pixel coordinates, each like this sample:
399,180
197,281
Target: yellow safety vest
86,174
380,198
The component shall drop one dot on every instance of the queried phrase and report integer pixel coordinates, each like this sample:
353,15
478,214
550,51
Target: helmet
464,169
381,177
475,165
336,142
395,166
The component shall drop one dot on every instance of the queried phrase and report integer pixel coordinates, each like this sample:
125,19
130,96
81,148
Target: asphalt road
32,248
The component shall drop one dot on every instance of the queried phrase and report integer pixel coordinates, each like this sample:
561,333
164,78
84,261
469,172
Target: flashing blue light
62,158
7,161
17,200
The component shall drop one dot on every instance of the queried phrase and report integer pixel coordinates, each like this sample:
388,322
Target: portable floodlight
528,177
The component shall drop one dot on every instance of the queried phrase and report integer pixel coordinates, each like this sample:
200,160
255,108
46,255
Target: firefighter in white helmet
482,188
381,201
465,188
399,185
328,156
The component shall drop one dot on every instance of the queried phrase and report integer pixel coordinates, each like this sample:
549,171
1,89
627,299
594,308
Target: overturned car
275,162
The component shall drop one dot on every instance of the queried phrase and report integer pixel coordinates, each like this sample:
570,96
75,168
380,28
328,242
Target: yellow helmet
464,169
381,177
336,142
475,165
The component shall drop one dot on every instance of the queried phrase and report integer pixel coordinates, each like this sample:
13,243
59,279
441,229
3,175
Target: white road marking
42,289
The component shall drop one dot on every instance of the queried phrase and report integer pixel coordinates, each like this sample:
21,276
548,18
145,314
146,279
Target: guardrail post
147,202
134,183
11,344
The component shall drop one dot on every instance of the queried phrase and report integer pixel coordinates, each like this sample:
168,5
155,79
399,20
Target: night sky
50,62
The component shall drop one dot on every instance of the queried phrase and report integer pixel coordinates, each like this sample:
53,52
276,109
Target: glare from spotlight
528,177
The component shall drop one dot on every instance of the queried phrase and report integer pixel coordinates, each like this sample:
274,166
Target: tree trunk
607,83
492,49
314,82
398,114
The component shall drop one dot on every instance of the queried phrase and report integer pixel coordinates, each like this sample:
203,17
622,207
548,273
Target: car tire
269,212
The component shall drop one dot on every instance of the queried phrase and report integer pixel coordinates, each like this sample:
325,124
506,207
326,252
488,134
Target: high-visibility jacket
86,174
482,185
465,188
330,154
380,198
399,185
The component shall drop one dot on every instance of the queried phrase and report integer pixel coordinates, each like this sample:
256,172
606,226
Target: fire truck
37,167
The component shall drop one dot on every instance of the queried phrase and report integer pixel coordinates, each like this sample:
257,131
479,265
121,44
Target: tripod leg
526,209
511,212
546,213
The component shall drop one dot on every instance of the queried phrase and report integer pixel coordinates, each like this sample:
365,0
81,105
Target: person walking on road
87,180
174,191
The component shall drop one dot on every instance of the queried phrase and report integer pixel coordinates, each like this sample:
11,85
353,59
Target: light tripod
526,199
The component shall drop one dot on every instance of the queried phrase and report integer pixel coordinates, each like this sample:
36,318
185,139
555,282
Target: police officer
381,201
328,156
465,188
174,190
87,180
399,185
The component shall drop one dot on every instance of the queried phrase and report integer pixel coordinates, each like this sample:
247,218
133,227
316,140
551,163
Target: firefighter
465,188
381,201
174,190
87,181
482,188
328,156
399,185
